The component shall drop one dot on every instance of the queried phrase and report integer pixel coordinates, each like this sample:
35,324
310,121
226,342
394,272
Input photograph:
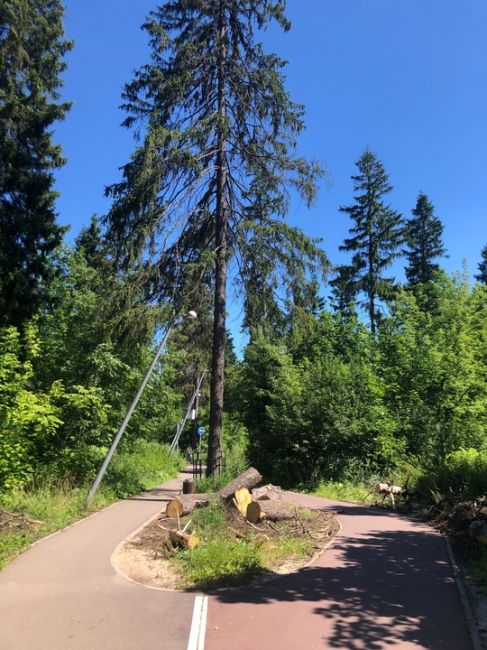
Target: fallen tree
249,479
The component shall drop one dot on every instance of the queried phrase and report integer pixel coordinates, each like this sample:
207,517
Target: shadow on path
379,588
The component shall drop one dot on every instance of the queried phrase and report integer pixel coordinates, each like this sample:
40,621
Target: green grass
222,560
346,491
57,505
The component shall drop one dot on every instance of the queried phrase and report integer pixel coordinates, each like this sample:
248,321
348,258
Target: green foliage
464,473
321,417
146,464
235,462
66,384
28,420
345,491
32,47
57,503
433,366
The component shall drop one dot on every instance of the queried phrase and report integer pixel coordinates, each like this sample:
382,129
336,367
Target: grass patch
231,552
346,491
58,504
54,506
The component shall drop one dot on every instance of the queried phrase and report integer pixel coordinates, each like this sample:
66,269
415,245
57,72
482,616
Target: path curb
464,599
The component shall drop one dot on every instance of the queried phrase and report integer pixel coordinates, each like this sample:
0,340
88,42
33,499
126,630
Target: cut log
242,500
272,510
185,504
249,479
267,493
183,539
385,488
174,509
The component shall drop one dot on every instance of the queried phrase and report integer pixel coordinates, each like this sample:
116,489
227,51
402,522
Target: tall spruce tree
219,137
376,236
344,291
32,46
424,244
482,274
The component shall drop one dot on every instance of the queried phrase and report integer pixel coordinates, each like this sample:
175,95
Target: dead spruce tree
213,167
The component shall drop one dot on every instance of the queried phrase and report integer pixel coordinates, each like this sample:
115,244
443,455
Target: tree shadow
378,589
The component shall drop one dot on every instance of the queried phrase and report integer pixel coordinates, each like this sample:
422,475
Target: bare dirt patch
149,558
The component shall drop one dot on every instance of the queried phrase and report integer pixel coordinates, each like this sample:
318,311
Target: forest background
381,373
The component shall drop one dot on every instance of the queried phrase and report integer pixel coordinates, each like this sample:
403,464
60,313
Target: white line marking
204,614
198,624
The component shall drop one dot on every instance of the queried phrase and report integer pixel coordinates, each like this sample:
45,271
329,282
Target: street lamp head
192,315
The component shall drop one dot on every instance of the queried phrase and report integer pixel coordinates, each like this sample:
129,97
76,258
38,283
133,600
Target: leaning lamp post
191,315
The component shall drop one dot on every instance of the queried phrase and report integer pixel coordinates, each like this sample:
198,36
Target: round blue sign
201,431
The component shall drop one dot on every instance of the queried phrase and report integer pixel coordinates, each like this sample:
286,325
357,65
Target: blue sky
406,78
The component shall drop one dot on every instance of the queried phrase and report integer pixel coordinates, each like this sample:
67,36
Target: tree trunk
249,479
272,510
221,218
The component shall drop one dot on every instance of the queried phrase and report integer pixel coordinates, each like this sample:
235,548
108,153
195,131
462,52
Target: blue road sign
201,431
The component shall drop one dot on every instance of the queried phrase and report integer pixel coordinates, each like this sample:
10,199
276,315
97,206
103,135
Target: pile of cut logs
254,503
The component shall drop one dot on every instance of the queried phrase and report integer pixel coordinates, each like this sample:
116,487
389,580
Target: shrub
464,473
145,464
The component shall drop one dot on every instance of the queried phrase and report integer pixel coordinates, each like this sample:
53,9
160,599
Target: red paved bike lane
385,582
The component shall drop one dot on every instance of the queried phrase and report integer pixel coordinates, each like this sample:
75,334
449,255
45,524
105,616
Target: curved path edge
63,593
385,582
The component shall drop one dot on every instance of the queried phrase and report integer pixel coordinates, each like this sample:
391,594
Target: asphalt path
64,594
385,582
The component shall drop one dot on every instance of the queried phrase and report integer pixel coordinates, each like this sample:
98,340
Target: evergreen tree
482,274
91,241
214,165
423,237
344,291
32,46
376,236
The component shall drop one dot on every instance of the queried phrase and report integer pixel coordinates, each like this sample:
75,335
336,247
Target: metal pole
181,424
116,440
